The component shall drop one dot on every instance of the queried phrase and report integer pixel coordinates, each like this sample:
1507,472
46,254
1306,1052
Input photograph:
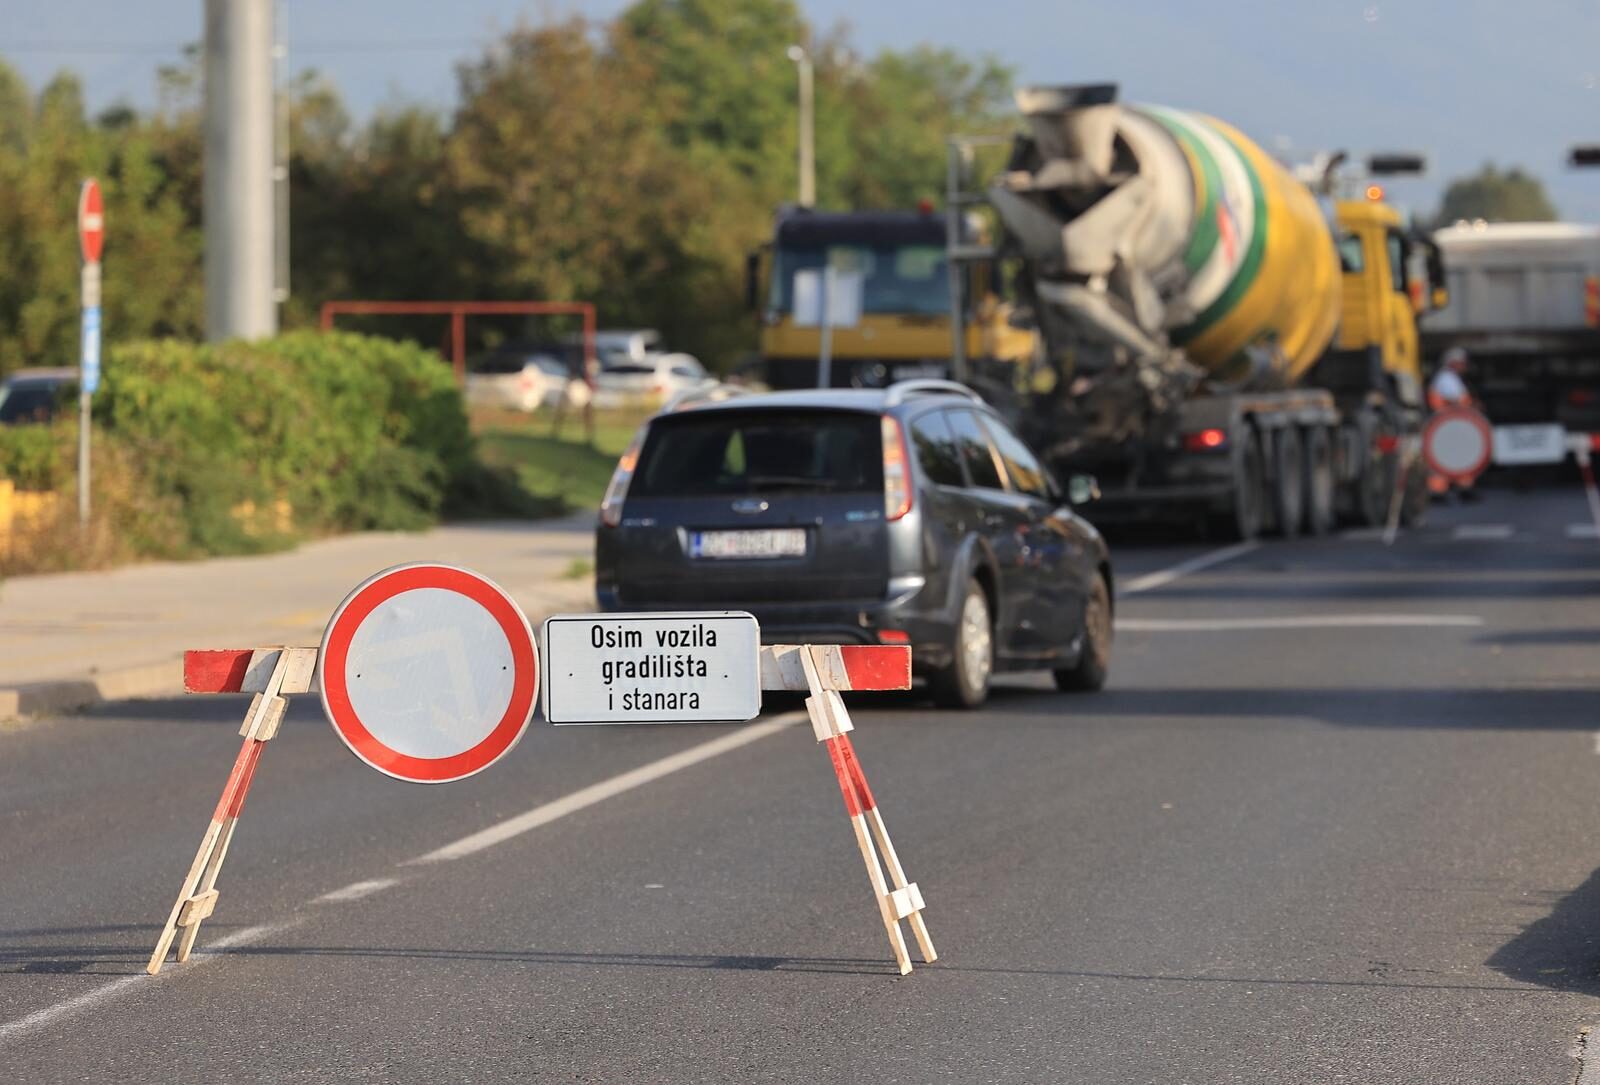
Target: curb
32,699
29,700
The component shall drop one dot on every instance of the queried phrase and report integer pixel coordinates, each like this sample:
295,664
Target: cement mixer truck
1217,341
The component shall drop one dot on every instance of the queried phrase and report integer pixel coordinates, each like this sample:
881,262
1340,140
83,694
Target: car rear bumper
911,611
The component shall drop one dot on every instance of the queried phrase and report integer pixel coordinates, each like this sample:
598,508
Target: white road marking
1482,531
487,838
1163,577
1583,531
1305,621
10,1030
606,789
357,890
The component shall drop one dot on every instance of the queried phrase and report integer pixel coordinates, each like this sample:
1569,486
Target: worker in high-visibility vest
1449,389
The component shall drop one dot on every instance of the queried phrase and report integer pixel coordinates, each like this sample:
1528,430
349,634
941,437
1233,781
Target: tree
152,280
1495,196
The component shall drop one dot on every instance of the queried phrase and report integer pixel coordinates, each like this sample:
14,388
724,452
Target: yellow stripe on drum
1294,299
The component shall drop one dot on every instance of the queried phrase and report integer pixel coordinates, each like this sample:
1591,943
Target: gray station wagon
907,515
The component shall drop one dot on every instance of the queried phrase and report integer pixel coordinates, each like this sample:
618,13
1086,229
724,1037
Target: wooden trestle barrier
823,671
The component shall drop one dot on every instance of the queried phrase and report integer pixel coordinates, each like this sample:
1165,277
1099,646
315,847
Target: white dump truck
1524,301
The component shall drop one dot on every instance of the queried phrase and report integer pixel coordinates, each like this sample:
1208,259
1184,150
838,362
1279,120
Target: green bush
354,432
30,458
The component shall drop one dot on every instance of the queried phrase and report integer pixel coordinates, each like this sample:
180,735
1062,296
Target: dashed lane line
357,890
467,845
95,996
570,804
1163,577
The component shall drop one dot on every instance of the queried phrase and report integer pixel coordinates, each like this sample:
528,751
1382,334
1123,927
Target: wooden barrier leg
829,722
891,859
197,897
206,890
858,822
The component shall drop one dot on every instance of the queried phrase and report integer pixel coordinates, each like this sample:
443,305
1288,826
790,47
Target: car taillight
1580,397
896,471
617,489
893,636
1206,440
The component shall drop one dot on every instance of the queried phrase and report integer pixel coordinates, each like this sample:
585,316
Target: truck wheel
1319,484
1094,665
965,683
1243,520
1288,491
1375,487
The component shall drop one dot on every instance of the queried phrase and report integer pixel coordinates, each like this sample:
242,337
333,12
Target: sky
1464,81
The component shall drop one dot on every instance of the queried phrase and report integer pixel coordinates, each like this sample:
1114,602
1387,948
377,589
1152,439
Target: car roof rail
900,391
698,396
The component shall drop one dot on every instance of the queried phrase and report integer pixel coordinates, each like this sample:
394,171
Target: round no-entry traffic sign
429,673
91,221
1456,443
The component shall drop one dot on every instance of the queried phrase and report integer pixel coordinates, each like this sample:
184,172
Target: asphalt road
1334,821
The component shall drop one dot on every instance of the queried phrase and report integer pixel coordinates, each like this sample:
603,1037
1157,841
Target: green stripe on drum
1245,277
1204,239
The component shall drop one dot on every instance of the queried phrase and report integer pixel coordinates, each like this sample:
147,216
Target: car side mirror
1082,489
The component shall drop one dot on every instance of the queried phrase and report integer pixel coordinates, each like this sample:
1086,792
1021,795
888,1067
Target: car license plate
786,542
1515,445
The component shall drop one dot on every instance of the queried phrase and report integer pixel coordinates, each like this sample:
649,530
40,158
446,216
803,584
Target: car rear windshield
714,453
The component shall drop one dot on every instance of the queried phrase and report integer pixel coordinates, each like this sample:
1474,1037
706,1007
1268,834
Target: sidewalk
70,639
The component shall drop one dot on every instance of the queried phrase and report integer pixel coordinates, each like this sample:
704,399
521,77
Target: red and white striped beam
246,670
839,666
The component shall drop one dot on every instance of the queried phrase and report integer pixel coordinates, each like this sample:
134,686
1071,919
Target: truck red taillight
1206,440
896,471
617,489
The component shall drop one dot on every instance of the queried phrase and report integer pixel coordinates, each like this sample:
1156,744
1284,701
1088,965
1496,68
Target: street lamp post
808,151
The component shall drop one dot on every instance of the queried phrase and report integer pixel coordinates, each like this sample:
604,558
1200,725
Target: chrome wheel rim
976,640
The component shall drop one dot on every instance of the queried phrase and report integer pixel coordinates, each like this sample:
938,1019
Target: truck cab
1382,291
904,329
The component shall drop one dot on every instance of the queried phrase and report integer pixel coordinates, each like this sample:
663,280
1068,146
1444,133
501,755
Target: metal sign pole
825,354
88,380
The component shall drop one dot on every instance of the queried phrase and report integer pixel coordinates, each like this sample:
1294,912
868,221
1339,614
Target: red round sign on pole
91,222
1457,442
429,673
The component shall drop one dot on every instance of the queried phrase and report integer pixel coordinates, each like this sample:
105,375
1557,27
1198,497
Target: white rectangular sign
1516,445
652,668
843,300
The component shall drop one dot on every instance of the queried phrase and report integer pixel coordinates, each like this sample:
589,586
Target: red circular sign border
1461,414
335,695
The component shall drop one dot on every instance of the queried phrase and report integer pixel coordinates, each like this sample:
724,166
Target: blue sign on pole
90,376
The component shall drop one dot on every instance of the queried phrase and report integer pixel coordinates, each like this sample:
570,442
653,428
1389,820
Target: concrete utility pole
238,197
808,131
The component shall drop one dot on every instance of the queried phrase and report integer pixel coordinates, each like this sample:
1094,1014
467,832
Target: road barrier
269,673
429,674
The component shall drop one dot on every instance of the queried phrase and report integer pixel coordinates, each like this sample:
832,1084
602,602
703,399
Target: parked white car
522,381
651,382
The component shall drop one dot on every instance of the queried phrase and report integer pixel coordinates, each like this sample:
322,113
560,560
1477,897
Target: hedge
353,432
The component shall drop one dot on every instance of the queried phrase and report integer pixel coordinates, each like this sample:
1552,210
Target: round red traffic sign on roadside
1457,443
429,673
91,222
